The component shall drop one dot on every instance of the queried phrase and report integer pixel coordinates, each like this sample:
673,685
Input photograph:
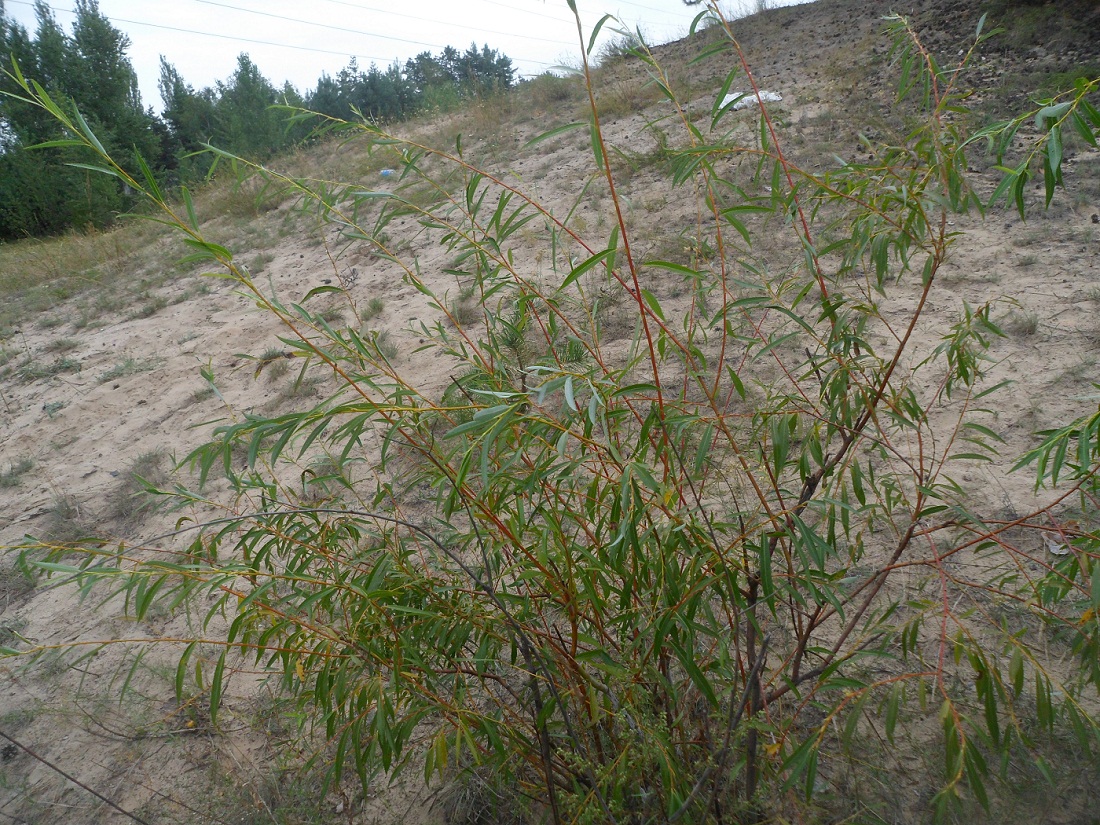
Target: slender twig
73,779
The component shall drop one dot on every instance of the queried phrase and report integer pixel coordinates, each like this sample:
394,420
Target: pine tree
40,190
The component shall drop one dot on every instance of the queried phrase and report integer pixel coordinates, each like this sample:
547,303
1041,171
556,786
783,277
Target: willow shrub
663,578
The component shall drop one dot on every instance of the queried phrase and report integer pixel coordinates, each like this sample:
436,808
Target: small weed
15,582
50,321
259,262
614,318
1083,371
130,366
130,502
65,521
84,318
189,336
11,628
1028,261
373,309
465,312
305,386
13,476
385,345
62,345
200,395
574,354
32,370
277,369
66,439
52,408
285,795
273,714
332,316
549,91
1030,237
150,308
655,203
476,796
1023,322
623,46
324,479
273,361
202,288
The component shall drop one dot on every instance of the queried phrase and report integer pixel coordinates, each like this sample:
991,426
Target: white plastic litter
749,99
1055,547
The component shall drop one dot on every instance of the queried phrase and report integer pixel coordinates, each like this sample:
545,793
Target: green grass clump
34,370
62,345
385,345
127,367
13,476
373,309
67,522
131,501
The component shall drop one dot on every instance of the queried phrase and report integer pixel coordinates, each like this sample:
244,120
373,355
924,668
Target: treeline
42,193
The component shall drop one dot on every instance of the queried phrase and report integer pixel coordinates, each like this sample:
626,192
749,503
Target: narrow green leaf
91,167
674,267
582,268
553,133
702,454
893,704
325,289
181,668
216,686
150,179
795,766
595,29
56,144
1094,572
1016,671
652,302
970,457
645,476
87,132
597,142
189,206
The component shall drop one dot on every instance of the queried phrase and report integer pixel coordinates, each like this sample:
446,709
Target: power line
212,34
318,25
527,11
258,42
346,30
449,24
348,54
644,6
571,22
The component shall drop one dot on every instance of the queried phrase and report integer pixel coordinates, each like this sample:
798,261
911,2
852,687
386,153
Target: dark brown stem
718,767
544,735
751,740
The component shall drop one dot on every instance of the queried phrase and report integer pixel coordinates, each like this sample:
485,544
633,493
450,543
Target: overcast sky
296,40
